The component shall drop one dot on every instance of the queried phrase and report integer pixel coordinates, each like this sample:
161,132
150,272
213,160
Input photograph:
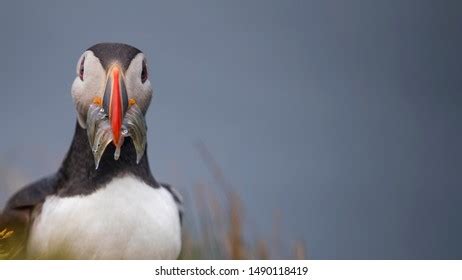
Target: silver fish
100,134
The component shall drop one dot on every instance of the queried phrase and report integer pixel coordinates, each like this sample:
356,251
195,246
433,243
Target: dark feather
33,194
110,52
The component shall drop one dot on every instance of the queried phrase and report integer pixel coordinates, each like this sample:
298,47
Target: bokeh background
335,123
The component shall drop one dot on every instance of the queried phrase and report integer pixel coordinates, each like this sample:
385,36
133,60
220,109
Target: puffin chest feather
126,219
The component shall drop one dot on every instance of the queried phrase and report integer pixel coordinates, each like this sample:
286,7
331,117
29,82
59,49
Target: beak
115,101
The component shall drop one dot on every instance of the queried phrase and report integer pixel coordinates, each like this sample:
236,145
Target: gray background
341,115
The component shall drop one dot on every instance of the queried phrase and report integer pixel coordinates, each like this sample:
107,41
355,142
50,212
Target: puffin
103,202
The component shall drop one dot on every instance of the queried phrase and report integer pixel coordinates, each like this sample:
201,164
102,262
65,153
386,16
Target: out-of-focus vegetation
221,227
221,235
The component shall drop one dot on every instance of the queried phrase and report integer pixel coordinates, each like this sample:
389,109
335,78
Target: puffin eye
81,69
144,73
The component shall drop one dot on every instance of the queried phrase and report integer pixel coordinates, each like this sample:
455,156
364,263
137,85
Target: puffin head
112,93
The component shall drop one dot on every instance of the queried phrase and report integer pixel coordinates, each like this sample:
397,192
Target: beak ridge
115,102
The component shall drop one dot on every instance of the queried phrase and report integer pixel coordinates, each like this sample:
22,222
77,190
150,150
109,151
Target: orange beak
115,102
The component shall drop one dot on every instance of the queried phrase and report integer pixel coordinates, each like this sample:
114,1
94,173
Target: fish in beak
114,117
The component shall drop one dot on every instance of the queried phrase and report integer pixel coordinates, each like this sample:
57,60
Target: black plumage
110,52
77,176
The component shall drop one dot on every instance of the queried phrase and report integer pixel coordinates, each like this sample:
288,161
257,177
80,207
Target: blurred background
293,129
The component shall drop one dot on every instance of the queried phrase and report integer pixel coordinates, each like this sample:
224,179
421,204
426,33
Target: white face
91,81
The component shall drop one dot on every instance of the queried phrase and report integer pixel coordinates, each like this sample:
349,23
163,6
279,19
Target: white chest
127,219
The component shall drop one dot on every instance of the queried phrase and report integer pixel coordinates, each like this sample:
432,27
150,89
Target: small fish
100,134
